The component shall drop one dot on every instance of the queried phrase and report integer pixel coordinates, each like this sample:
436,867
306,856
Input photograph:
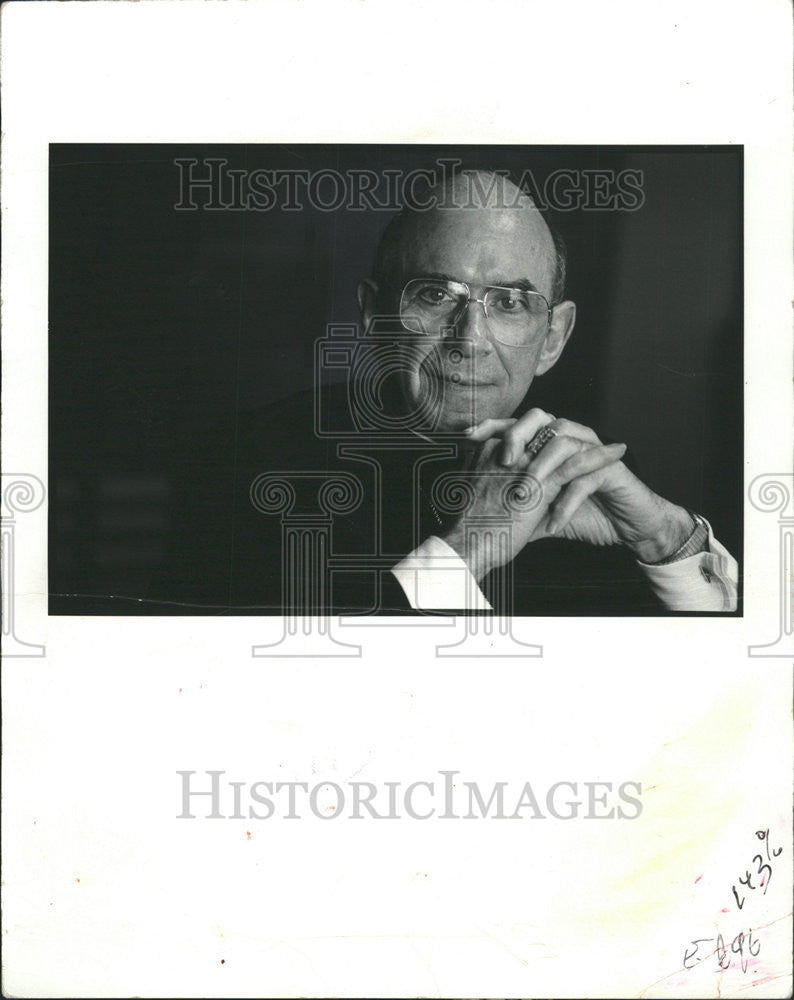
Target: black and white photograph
296,379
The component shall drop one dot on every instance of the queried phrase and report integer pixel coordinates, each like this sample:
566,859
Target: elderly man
483,282
465,307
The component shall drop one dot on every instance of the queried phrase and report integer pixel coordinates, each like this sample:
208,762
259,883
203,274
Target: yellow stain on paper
693,791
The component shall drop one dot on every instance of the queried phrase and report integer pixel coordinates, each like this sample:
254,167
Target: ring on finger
540,440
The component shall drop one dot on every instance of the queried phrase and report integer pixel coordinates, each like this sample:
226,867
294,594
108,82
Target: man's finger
553,455
567,459
529,424
523,431
488,428
569,428
572,498
564,458
587,460
518,436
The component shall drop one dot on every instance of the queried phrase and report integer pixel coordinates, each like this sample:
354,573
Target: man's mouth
464,381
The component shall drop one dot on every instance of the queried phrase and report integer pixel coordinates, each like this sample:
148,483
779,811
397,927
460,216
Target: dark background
164,323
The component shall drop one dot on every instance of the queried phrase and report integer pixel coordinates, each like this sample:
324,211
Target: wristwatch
697,542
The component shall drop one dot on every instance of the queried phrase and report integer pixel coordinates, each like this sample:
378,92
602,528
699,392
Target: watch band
697,542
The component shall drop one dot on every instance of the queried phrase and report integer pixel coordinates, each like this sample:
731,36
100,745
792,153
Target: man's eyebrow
523,283
438,274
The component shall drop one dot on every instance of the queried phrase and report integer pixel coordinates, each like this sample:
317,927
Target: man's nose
472,335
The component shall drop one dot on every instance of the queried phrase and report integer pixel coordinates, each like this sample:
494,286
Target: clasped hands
579,489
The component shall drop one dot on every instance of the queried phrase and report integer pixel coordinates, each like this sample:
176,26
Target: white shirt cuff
434,577
706,581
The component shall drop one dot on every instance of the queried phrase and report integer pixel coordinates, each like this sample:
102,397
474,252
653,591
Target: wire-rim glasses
434,306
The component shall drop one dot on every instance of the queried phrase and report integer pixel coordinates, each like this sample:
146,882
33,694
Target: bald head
470,206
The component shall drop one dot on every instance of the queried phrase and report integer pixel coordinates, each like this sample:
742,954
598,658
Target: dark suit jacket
227,556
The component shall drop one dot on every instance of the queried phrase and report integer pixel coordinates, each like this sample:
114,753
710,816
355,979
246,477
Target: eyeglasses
434,305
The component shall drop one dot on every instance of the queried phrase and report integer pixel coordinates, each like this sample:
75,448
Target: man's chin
452,407
458,416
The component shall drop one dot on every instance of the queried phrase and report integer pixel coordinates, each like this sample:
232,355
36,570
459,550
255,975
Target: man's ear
563,318
367,294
